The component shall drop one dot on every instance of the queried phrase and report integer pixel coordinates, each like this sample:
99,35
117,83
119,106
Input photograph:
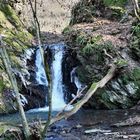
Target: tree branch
87,96
136,8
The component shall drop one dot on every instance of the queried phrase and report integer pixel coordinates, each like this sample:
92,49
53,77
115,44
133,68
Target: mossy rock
119,3
121,92
92,57
10,14
135,41
84,11
16,39
11,26
2,86
88,11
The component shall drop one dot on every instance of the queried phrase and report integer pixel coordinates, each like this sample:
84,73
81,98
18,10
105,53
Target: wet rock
97,131
36,96
78,126
69,62
19,39
8,102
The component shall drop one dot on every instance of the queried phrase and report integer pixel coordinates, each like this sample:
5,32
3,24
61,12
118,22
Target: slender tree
45,65
11,75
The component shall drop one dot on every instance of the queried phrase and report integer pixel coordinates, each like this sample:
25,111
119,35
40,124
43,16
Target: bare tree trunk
45,65
12,78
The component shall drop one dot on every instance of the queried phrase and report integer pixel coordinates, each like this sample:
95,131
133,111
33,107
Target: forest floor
98,125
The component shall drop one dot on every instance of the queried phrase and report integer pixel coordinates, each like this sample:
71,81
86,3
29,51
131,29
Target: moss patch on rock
135,40
16,40
88,11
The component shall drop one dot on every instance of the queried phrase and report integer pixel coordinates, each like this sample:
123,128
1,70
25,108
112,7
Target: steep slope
102,33
16,39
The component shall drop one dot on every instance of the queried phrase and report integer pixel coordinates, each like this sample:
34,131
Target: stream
101,122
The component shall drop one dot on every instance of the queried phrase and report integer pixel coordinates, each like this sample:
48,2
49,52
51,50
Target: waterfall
57,86
40,73
58,102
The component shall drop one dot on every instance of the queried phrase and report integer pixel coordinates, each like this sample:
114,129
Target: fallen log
87,96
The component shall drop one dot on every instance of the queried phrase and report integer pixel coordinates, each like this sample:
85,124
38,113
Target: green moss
10,15
136,73
17,40
81,39
117,12
83,12
87,11
115,100
120,3
93,86
91,53
92,44
94,47
2,129
1,85
121,63
133,76
2,19
67,30
135,42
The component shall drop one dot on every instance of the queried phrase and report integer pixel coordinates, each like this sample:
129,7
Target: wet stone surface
97,125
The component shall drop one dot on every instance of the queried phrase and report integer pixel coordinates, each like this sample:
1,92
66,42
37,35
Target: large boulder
102,42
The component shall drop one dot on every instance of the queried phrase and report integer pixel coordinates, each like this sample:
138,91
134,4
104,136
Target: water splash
40,73
75,80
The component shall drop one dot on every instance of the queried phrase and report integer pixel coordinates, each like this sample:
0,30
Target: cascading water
40,73
75,80
58,102
57,86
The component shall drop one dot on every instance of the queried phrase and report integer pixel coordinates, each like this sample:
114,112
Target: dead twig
107,54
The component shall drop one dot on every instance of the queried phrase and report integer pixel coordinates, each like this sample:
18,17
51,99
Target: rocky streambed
87,125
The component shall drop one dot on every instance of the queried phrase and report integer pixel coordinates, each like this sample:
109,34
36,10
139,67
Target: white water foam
57,86
58,102
75,80
40,73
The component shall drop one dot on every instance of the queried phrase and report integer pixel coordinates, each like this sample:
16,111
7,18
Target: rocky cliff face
102,33
16,39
